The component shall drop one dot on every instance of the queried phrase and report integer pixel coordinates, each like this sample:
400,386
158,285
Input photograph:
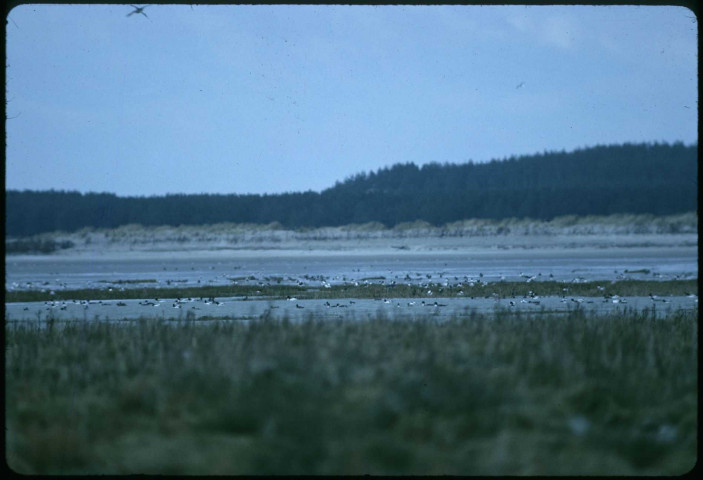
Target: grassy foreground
499,394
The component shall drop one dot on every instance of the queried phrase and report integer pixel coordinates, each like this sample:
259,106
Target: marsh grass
485,394
374,290
525,393
153,292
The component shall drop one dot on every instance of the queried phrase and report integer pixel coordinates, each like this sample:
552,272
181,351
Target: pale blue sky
267,99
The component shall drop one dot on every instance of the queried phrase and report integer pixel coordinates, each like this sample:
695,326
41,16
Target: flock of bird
197,303
429,290
434,283
179,302
156,302
529,298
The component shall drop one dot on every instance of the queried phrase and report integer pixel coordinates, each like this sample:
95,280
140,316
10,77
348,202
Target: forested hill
660,179
596,167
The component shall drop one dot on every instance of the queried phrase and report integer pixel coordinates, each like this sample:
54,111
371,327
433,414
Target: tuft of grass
498,394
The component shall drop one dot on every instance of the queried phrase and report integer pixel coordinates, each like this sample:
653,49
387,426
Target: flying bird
520,84
138,10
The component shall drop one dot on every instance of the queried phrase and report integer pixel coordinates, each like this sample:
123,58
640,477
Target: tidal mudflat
315,259
404,270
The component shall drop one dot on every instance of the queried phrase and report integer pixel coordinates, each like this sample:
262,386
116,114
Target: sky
288,98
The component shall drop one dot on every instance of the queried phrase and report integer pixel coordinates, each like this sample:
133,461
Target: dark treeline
659,179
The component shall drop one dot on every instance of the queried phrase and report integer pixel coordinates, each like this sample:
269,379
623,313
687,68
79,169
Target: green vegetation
657,179
520,394
374,290
35,245
153,292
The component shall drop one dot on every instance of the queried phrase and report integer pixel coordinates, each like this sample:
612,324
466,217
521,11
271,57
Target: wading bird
138,10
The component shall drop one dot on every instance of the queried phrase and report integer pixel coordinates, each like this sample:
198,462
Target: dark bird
520,84
138,10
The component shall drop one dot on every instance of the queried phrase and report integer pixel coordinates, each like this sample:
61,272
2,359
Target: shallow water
318,268
239,309
182,269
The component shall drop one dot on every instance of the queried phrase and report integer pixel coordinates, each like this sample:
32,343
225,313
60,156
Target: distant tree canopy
659,179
